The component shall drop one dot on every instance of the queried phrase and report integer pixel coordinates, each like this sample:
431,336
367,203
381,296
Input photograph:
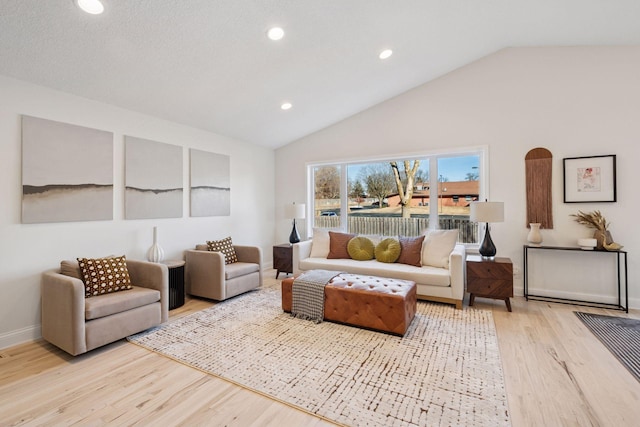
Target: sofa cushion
338,245
320,244
437,247
361,248
388,250
108,304
238,269
225,246
104,275
422,275
411,250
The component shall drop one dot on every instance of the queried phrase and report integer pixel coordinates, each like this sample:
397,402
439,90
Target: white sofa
434,283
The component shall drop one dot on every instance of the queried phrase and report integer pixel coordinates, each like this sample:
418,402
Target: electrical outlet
516,271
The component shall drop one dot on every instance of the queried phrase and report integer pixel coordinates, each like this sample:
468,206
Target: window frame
432,157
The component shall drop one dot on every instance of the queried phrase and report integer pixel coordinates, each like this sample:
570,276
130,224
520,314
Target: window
327,200
373,198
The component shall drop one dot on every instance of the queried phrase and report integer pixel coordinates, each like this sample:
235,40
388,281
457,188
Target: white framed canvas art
210,184
67,172
153,179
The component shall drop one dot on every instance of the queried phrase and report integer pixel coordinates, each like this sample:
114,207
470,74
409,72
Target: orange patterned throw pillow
411,250
338,243
225,246
104,275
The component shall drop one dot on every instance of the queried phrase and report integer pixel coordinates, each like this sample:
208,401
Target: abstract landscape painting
67,172
153,179
210,184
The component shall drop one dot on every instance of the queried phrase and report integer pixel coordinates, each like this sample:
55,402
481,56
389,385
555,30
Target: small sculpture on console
600,225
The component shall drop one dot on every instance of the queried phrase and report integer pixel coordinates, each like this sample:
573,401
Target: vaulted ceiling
209,64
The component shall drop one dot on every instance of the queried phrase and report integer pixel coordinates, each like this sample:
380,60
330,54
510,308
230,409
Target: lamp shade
487,212
294,211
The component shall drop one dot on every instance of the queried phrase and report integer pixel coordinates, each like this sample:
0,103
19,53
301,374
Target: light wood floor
556,372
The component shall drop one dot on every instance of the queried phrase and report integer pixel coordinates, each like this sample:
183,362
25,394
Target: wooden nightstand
283,258
490,279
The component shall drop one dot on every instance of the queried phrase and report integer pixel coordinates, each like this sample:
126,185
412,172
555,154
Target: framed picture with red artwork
589,179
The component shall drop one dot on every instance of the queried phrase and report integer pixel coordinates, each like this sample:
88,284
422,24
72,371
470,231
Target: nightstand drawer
493,288
490,270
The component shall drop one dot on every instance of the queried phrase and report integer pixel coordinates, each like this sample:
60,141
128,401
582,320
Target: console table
621,265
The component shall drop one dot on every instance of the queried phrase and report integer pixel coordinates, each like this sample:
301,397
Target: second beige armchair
208,276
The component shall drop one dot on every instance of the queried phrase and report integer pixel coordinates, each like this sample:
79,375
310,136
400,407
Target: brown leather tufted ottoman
371,302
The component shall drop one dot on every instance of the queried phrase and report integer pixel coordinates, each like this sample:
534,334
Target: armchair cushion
238,269
71,268
104,275
117,302
224,246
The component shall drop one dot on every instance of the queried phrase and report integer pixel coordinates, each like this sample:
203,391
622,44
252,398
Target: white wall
26,250
574,101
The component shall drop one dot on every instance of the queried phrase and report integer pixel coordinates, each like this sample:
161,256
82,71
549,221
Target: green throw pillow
388,250
361,249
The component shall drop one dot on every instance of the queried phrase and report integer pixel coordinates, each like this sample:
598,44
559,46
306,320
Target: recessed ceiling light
93,7
286,106
385,54
275,33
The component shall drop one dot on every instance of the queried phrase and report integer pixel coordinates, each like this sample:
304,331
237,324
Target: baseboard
30,333
607,299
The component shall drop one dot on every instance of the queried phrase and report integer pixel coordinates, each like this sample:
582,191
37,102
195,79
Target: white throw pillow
375,238
320,244
437,247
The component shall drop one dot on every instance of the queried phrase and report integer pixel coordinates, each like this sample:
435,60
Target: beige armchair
77,324
207,275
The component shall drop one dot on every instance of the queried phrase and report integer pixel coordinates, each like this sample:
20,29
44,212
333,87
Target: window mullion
344,199
433,193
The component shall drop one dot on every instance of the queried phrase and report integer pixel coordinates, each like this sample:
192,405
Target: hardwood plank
556,373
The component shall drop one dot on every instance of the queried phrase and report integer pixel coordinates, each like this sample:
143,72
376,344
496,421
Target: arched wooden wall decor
538,165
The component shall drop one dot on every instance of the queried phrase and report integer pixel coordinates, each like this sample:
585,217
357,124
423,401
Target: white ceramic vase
534,237
155,252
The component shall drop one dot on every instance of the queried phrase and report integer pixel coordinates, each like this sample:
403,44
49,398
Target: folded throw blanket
308,294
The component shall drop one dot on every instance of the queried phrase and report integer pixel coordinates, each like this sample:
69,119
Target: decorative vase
155,253
601,238
534,237
294,237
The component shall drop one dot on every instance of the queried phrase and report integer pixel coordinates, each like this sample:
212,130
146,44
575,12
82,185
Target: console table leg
508,303
472,298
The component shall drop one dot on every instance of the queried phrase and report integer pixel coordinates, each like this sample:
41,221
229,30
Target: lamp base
294,237
487,249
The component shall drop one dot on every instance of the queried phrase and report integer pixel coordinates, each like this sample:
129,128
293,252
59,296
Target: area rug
445,371
620,335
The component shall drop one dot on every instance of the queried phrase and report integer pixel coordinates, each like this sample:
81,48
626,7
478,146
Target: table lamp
487,212
295,211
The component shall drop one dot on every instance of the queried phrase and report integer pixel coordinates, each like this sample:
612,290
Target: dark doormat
620,335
